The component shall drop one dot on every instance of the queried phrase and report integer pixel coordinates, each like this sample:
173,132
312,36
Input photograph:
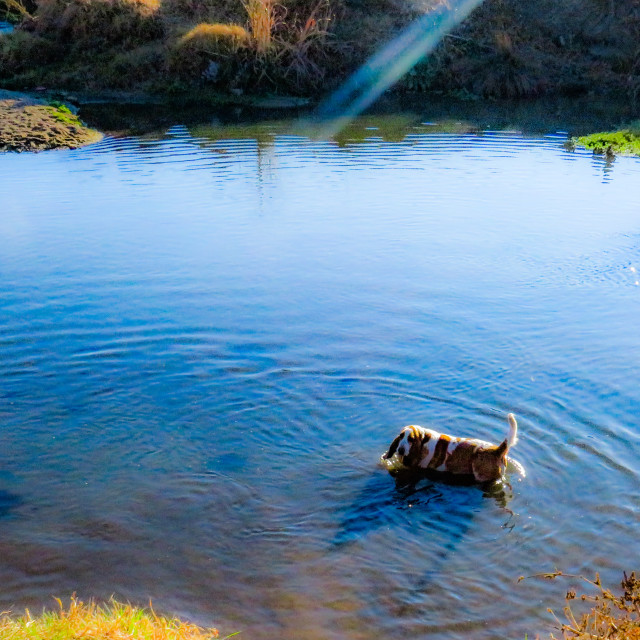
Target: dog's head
409,446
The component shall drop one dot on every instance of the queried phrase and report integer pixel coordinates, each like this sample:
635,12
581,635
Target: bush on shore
90,621
98,24
205,48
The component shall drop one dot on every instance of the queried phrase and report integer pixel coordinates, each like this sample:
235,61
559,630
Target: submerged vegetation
505,49
623,142
90,621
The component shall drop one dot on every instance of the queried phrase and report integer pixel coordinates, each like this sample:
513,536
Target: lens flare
387,66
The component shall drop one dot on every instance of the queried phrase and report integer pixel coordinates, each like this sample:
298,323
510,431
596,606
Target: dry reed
611,617
262,23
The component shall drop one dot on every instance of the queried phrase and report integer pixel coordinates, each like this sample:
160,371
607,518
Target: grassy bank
506,48
89,621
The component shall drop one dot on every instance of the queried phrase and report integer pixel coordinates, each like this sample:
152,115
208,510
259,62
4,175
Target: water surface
209,335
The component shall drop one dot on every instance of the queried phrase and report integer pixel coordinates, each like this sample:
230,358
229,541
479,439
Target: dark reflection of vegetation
391,128
392,120
142,119
263,133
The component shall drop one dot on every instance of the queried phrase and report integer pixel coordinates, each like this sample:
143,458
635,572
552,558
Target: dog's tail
512,437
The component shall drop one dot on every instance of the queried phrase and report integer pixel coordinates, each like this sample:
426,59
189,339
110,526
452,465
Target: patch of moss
62,113
625,142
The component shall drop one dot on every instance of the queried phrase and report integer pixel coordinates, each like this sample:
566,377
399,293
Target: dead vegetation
604,615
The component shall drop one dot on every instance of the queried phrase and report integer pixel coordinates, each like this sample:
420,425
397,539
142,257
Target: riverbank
607,617
28,124
307,47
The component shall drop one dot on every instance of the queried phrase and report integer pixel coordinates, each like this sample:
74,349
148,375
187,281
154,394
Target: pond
209,335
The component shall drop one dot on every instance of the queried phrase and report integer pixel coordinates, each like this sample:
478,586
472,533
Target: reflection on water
210,335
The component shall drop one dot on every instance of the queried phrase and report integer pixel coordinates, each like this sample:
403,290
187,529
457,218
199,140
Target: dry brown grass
205,44
304,50
90,621
278,49
509,48
14,8
610,616
212,37
263,20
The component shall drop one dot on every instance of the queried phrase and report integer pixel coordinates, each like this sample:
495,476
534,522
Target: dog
426,450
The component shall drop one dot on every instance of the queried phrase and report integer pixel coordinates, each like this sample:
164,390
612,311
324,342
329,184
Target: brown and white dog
421,449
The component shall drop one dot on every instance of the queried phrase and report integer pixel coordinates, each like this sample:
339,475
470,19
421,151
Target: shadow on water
8,502
420,502
430,521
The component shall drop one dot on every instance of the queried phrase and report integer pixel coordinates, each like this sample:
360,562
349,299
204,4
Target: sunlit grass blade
90,621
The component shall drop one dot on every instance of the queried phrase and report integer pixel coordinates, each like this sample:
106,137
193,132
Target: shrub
21,51
100,23
195,11
134,68
207,43
304,50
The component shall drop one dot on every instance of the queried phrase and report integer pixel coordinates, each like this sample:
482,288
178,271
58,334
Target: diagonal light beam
387,66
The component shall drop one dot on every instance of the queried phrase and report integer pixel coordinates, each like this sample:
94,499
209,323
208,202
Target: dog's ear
394,447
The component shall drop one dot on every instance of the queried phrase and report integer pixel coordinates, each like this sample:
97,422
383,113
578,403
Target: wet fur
431,453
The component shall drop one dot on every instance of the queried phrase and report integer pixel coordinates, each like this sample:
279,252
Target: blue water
210,334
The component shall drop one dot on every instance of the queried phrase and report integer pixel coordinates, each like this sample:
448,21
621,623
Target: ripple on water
210,335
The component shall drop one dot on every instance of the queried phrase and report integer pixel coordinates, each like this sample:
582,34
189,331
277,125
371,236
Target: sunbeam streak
388,65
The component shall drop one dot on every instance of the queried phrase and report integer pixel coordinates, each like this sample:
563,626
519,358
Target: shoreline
263,55
36,123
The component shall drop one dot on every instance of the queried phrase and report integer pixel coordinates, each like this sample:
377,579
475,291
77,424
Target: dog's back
429,450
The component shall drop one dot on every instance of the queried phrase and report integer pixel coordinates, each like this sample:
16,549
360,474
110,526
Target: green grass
90,621
624,142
